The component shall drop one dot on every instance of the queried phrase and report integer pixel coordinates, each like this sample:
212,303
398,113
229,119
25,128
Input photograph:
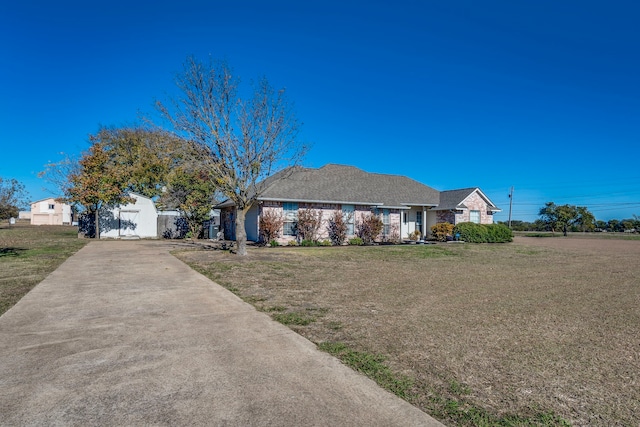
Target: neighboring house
405,205
49,212
133,220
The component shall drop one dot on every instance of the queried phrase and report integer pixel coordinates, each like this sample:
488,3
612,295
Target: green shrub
325,242
471,232
499,233
356,241
292,243
308,243
483,233
274,243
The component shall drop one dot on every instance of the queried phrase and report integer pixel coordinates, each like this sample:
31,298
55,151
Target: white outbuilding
137,220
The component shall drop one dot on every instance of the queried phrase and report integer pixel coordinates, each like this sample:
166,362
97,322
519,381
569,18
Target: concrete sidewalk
123,333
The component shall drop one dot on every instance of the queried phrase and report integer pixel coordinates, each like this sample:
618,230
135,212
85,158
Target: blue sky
543,96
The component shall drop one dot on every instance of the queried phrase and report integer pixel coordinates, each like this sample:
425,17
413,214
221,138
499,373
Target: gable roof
342,184
46,199
452,199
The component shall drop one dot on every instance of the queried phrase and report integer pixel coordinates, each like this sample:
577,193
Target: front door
419,222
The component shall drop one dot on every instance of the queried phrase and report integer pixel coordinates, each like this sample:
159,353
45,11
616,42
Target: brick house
404,205
465,205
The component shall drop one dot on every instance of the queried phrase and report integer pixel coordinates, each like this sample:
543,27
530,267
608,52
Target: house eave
407,206
332,202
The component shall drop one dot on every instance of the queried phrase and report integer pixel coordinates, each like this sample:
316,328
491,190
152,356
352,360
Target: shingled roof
347,185
452,199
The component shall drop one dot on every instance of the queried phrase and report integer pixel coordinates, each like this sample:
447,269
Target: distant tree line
13,197
570,218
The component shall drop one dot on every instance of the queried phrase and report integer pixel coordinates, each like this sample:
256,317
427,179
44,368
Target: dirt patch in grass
533,332
28,254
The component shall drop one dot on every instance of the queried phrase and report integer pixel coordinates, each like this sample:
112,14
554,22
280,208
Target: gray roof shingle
451,199
348,184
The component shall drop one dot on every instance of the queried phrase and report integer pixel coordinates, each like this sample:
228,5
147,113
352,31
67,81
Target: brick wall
328,210
474,202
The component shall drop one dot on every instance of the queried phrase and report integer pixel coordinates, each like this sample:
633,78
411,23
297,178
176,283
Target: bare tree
13,197
57,174
246,139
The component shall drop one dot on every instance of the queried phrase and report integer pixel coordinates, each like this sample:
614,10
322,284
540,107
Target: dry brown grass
28,254
535,326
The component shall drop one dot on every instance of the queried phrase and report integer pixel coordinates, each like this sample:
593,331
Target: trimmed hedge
483,233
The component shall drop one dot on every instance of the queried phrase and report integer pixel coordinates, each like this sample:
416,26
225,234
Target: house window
419,221
290,218
385,222
405,218
474,216
349,218
52,207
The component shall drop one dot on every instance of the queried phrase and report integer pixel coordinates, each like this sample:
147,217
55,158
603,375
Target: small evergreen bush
471,232
356,241
499,233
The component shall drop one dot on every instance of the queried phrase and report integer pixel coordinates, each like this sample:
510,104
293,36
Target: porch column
424,223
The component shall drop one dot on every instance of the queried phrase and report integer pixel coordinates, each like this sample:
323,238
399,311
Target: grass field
542,331
535,332
28,254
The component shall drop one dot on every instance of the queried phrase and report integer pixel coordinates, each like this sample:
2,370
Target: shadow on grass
10,251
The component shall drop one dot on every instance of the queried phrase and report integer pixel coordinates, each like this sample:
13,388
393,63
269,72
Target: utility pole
510,205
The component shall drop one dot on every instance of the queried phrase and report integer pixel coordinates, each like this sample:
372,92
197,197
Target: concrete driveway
123,333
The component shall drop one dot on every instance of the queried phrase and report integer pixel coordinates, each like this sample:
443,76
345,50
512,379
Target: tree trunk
97,223
241,234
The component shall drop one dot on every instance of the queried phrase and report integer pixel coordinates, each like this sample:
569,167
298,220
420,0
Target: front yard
528,333
28,254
